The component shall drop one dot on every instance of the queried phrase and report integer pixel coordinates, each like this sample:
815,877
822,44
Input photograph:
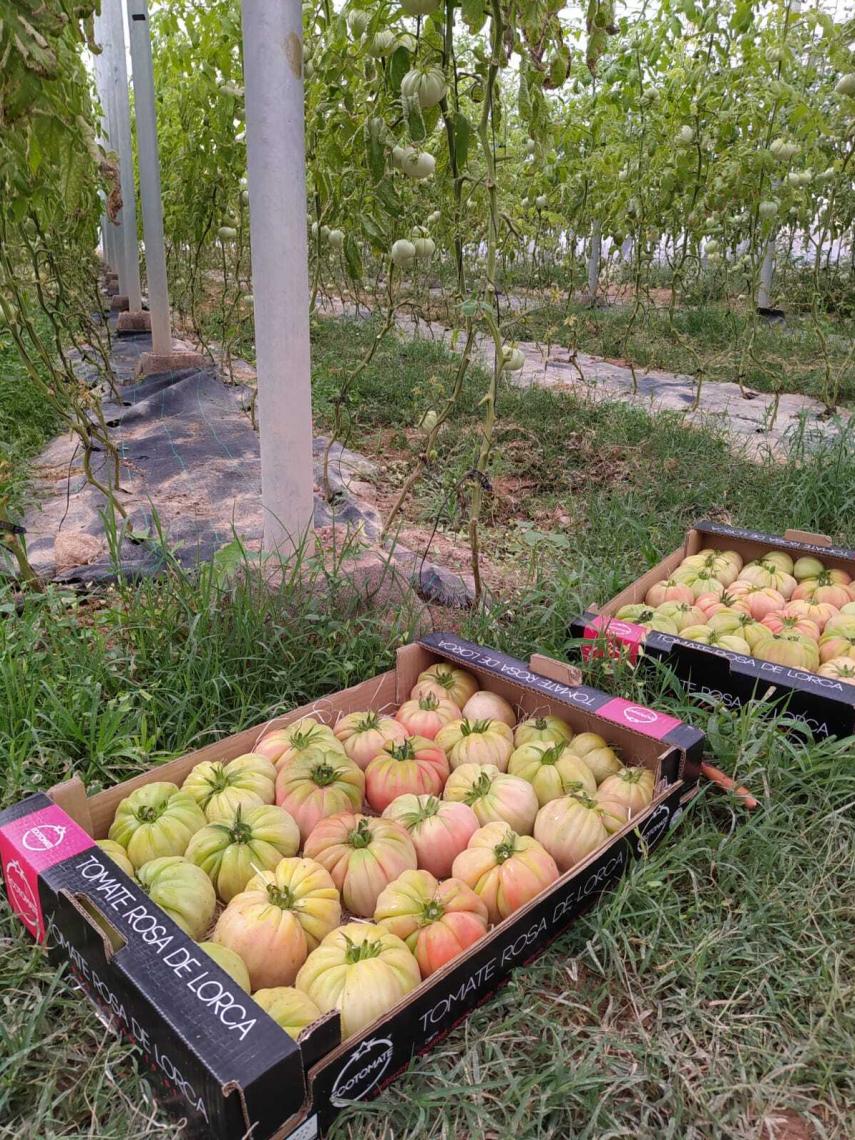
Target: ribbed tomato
668,590
700,580
439,829
504,868
542,730
840,668
229,961
231,851
768,576
681,614
436,920
784,623
425,716
281,916
834,644
446,681
631,786
485,705
476,742
817,612
807,567
725,564
757,600
363,855
841,624
362,971
572,828
415,767
363,734
283,745
220,788
183,890
290,1008
790,649
600,758
155,820
830,586
779,559
317,784
552,770
494,796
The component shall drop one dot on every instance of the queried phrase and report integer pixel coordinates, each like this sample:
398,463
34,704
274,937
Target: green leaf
388,198
374,150
415,122
474,14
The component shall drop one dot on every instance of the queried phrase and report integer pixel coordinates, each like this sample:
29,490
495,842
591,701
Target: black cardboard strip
706,526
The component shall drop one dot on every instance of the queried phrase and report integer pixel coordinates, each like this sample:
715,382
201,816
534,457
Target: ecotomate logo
21,895
635,714
363,1071
656,825
44,837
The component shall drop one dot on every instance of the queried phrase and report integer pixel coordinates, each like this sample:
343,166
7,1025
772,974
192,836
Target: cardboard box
214,1056
826,705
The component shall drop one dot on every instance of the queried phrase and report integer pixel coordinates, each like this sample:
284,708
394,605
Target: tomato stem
504,850
361,835
429,703
324,774
360,952
283,897
150,814
402,751
369,721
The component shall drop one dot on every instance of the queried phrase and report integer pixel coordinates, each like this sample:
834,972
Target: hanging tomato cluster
434,823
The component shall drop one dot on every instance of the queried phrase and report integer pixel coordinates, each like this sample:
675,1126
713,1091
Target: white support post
149,167
764,289
130,286
102,67
273,81
594,259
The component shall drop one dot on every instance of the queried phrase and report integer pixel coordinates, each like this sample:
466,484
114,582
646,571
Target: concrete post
594,259
149,169
273,80
767,269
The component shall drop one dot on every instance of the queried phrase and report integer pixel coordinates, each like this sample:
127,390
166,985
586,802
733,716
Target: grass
707,995
713,336
26,421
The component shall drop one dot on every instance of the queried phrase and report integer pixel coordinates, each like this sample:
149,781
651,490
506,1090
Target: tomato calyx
146,814
504,850
432,911
361,835
474,727
239,831
445,678
283,897
400,751
361,951
584,799
552,754
324,774
218,781
541,723
479,788
369,722
428,703
304,739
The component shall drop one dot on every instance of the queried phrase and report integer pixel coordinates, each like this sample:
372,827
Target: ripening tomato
476,742
790,649
436,920
426,715
807,567
817,612
699,580
283,745
505,869
279,919
317,784
757,600
572,828
220,788
599,757
680,614
542,730
363,854
668,590
840,668
455,685
118,854
630,786
229,961
784,623
439,829
414,767
494,796
830,586
364,734
552,770
485,705
362,970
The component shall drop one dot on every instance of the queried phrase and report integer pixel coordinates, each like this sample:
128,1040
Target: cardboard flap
807,536
555,670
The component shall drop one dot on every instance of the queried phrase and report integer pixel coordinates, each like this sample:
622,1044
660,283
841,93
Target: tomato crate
212,1055
825,704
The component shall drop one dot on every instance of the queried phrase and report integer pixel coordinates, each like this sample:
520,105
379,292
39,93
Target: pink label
626,634
642,719
29,846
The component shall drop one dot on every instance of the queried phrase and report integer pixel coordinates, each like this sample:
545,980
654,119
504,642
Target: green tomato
154,821
427,85
403,253
231,851
183,890
228,960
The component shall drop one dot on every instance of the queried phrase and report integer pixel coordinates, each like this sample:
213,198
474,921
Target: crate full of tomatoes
311,902
739,615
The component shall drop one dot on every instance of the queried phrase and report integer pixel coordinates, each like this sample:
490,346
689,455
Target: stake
113,245
764,289
594,259
273,78
130,286
149,167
